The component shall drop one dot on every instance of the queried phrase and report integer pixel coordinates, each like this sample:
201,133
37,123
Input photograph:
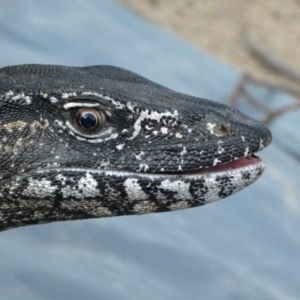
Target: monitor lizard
100,141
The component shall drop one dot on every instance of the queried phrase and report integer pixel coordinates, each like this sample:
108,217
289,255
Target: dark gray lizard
99,141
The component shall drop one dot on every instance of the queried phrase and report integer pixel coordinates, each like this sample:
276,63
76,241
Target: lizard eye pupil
89,120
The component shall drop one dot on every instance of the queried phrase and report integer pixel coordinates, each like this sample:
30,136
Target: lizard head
102,141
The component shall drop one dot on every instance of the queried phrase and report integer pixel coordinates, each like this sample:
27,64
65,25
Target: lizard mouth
242,163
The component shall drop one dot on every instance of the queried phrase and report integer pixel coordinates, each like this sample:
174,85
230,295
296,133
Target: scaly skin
100,141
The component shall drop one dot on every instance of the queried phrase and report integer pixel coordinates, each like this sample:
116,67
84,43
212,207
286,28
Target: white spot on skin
164,130
52,165
210,127
86,187
60,124
28,100
220,150
178,135
134,190
138,156
80,104
35,126
143,166
9,94
130,106
105,164
67,95
147,127
53,99
18,125
183,151
179,187
61,178
243,138
113,136
153,115
246,152
39,188
261,145
21,96
117,104
120,147
216,162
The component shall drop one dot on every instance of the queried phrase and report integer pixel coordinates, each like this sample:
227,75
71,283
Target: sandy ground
251,35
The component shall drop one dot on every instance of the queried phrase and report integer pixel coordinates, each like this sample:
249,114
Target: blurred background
258,38
244,247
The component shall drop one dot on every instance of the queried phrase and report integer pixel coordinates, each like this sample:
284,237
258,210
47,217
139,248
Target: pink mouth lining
236,164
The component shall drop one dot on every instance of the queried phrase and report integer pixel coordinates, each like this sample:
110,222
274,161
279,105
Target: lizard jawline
237,166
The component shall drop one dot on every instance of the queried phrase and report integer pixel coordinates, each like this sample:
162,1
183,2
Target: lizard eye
88,120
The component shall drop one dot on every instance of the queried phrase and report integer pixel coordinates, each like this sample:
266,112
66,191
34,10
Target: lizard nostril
220,130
